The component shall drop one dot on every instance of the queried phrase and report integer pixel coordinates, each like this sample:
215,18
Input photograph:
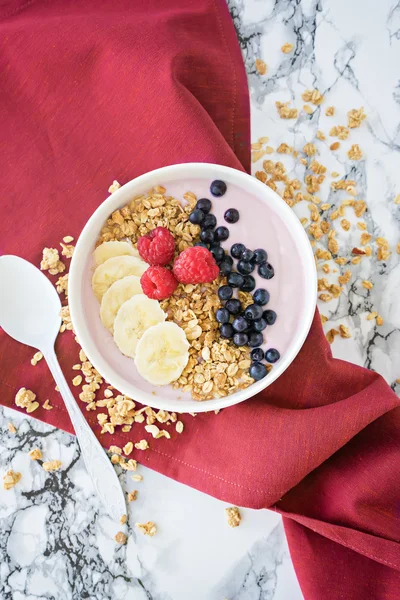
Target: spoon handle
99,467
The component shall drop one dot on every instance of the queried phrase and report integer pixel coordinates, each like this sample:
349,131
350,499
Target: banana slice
162,353
115,296
108,250
133,318
113,269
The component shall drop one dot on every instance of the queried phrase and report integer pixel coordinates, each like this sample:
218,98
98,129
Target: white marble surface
56,541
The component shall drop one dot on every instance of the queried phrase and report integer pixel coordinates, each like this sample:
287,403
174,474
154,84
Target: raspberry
158,283
157,247
196,265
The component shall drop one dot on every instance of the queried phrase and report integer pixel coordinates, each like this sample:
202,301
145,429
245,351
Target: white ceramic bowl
266,221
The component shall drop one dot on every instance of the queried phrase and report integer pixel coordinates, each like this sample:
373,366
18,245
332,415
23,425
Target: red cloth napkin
93,91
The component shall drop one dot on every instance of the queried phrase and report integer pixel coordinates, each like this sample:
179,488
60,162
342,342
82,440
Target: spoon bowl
29,304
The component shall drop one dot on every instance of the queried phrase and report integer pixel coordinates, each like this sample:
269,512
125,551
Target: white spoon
30,313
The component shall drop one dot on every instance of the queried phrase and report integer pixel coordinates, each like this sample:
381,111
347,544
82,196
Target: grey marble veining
56,541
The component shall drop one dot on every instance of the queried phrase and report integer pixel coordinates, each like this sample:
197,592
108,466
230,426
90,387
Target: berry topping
258,371
266,271
231,215
269,316
260,256
207,236
247,255
225,292
157,247
221,233
209,222
261,297
240,324
204,204
245,268
158,283
237,250
222,315
257,354
248,284
225,267
226,330
235,279
255,339
272,355
196,217
202,244
218,188
253,312
240,339
196,265
234,306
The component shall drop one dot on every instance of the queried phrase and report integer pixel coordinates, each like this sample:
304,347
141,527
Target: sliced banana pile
160,349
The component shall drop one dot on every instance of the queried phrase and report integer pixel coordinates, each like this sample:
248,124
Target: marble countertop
57,541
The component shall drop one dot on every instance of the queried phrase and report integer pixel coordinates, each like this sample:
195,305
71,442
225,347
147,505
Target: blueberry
245,268
202,244
234,306
222,315
259,325
247,255
225,292
266,271
269,316
207,236
209,222
257,371
237,250
226,330
240,339
231,215
221,233
217,252
229,259
235,279
255,339
272,355
253,312
240,324
260,256
261,297
196,217
249,283
204,204
218,188
225,268
257,354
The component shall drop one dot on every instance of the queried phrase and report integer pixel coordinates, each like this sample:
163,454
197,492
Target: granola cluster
26,399
234,516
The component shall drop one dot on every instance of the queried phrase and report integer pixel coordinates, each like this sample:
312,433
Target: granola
148,528
234,516
10,479
26,399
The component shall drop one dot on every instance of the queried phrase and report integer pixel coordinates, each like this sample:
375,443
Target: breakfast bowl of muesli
192,287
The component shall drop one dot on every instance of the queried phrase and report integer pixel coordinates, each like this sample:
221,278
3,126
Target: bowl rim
116,200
